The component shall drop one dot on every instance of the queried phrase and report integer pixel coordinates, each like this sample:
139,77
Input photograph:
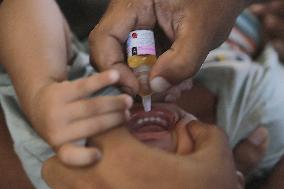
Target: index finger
108,37
86,87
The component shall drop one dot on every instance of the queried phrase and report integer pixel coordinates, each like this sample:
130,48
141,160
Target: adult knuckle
146,5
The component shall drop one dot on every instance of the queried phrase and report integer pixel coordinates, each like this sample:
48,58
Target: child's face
164,128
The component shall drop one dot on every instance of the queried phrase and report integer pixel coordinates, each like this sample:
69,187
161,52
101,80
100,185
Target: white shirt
250,95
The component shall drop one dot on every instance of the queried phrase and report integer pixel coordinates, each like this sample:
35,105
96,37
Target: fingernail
258,137
170,98
129,101
114,75
159,84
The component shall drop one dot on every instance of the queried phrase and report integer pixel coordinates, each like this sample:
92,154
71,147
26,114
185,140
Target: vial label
141,42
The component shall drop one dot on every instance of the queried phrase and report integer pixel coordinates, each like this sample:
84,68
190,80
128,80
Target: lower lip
150,136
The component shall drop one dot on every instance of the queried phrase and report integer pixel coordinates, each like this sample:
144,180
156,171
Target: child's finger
102,104
74,155
90,127
87,86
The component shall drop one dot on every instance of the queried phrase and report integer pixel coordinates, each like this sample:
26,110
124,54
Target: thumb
182,60
208,138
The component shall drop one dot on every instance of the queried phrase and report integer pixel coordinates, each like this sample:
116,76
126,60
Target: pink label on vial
141,42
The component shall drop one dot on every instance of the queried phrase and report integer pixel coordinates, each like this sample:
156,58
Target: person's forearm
33,45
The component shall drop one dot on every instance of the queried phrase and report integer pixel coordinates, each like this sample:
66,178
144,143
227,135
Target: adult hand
272,16
194,27
129,164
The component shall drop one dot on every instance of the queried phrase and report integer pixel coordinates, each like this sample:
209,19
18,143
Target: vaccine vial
141,53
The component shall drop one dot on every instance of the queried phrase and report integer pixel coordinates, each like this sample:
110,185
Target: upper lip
162,118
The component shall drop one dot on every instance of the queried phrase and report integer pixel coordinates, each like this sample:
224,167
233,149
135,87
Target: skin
272,17
127,152
59,110
185,23
182,143
46,83
176,140
49,62
48,56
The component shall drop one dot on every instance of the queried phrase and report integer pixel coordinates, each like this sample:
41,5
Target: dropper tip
147,103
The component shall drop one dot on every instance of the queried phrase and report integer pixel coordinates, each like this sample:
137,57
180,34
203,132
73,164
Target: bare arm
35,43
33,46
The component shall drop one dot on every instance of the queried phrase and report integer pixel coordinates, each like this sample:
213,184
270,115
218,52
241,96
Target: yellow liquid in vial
138,60
135,62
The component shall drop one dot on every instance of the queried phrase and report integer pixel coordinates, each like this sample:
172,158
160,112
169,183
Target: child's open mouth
153,128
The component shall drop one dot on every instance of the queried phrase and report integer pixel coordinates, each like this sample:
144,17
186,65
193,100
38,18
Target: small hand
65,113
